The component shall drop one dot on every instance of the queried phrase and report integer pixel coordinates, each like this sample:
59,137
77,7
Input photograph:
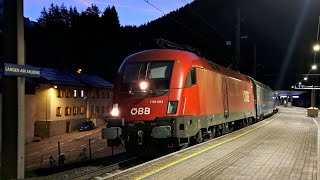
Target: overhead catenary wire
184,1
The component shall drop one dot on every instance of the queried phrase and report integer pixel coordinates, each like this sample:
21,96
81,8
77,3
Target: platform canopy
288,93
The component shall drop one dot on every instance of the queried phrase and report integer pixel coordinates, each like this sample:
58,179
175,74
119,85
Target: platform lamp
316,48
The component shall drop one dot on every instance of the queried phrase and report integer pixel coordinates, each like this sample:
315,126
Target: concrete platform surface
283,146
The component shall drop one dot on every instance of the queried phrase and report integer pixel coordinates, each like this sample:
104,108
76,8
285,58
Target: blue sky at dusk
131,12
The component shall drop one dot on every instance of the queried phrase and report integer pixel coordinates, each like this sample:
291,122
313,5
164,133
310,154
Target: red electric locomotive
171,98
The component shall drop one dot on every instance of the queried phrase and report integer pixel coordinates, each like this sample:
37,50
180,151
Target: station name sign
21,70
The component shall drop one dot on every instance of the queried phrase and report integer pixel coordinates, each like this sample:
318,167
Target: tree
73,16
111,44
110,20
54,28
43,20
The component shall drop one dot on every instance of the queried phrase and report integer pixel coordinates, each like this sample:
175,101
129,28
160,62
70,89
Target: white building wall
50,98
41,103
64,102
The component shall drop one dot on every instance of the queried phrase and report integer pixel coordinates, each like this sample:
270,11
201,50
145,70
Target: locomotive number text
140,111
156,101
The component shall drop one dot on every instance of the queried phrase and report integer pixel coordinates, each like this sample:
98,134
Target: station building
59,101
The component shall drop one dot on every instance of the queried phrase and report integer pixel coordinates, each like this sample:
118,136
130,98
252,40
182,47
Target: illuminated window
75,110
74,93
82,93
60,93
67,111
81,110
102,109
58,111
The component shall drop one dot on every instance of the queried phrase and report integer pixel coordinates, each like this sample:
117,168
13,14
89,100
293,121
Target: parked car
86,126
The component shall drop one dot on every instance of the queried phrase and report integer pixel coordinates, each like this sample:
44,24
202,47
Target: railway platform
283,146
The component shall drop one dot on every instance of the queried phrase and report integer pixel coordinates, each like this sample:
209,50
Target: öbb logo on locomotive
140,111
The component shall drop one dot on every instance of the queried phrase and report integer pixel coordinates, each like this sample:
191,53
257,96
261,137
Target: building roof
92,80
54,76
65,78
58,77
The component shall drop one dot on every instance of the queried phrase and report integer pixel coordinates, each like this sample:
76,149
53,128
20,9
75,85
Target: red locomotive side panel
211,94
190,101
217,91
240,92
240,95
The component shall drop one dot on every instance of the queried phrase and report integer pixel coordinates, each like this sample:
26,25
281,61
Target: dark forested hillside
95,41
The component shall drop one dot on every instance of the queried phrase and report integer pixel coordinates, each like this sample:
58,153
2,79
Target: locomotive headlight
143,85
172,107
115,110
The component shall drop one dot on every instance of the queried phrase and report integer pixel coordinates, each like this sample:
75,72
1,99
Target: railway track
109,170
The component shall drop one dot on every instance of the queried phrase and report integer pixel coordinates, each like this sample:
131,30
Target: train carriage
172,98
265,100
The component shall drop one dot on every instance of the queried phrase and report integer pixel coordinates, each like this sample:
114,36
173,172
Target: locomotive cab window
191,78
157,73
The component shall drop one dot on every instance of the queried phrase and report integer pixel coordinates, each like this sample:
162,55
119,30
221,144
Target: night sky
131,12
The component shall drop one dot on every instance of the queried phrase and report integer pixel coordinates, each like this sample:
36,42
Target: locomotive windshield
157,72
